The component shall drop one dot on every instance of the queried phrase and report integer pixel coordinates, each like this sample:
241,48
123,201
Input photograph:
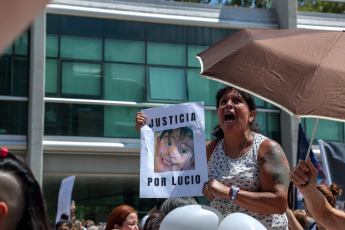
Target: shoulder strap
211,146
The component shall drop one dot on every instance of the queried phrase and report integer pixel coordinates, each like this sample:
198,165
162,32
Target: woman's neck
237,144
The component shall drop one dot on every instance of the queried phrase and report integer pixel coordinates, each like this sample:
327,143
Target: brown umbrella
300,71
17,16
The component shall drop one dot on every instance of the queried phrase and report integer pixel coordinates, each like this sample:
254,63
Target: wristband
234,190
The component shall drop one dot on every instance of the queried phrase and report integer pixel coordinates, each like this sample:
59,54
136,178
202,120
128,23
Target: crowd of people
66,223
248,173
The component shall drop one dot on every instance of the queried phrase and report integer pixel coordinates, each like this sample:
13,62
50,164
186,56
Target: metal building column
286,11
36,97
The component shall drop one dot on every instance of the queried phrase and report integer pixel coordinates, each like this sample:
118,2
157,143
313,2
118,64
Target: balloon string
312,138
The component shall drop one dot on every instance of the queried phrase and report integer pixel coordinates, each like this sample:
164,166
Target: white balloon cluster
202,217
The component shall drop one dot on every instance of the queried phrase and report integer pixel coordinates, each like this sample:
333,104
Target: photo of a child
174,150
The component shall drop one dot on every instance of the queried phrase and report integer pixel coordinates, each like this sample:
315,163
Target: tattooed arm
274,182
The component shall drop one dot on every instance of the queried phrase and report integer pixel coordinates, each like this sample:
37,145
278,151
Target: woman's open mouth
229,117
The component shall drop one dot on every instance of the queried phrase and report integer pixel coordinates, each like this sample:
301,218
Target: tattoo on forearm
276,162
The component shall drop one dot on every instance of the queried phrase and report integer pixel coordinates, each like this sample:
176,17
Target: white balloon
240,221
192,217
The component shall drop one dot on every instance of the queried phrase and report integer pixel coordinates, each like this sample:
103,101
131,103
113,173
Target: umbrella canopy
300,71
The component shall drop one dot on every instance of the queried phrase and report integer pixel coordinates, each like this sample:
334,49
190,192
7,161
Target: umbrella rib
329,49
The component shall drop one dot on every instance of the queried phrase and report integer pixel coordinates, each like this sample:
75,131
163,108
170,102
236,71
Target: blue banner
303,145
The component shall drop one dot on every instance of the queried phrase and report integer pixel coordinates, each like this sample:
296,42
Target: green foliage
303,5
243,3
321,6
250,3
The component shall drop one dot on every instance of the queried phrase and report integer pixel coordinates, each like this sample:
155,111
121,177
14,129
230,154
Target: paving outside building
71,85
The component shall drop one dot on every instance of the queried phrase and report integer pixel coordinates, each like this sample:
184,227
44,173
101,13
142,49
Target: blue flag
303,145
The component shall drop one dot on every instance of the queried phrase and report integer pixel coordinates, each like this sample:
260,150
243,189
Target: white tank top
243,172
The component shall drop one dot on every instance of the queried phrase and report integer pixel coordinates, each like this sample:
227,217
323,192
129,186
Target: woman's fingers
299,175
304,174
140,120
207,191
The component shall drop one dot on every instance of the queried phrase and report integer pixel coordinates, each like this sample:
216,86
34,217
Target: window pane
5,76
271,106
326,130
206,36
21,44
52,45
51,76
211,120
201,89
124,30
259,102
52,23
192,52
261,118
166,54
273,126
13,117
81,26
124,82
81,48
166,33
87,120
20,76
73,120
81,79
124,51
57,119
119,121
8,49
167,84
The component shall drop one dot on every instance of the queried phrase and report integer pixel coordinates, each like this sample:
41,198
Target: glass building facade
14,75
126,61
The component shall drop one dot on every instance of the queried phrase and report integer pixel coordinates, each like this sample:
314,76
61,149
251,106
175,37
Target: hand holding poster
65,195
173,151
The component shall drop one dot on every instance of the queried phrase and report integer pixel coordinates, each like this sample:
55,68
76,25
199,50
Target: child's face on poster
174,151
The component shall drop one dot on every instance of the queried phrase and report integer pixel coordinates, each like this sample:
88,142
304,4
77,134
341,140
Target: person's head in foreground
174,150
234,106
301,217
63,225
170,204
123,217
21,201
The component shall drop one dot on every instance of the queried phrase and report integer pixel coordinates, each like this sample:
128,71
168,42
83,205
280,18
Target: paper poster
65,195
173,151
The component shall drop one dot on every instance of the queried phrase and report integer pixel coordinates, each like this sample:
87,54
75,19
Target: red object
3,152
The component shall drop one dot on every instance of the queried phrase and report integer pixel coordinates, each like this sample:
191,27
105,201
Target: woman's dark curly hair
254,126
330,192
35,214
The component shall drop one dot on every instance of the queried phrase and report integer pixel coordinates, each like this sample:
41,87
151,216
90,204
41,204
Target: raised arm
304,176
293,222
